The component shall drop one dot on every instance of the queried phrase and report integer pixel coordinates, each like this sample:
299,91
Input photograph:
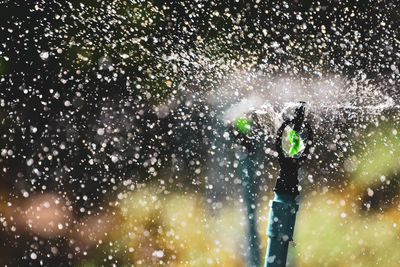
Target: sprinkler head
287,182
243,125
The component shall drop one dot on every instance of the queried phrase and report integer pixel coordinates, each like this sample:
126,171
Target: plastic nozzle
294,140
243,125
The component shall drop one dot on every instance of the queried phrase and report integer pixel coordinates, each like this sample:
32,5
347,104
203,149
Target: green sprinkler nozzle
243,125
294,140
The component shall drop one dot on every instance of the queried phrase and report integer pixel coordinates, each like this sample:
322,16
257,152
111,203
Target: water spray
284,207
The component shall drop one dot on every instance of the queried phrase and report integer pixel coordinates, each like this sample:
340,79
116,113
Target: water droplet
33,256
44,55
100,131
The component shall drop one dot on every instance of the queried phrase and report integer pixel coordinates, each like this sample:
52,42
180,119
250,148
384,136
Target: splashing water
330,99
99,99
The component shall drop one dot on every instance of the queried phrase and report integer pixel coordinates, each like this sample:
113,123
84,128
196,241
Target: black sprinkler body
287,182
299,117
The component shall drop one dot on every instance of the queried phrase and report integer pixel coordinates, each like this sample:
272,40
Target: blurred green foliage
379,157
332,231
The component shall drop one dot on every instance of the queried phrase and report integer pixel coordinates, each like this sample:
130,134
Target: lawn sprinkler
247,163
284,207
